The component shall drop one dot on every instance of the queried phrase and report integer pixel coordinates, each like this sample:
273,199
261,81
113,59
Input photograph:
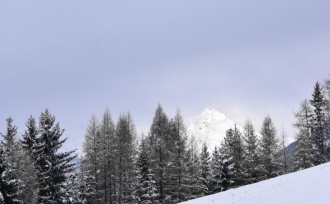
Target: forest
163,166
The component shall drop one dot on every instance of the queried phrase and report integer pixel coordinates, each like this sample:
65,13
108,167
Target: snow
209,127
306,186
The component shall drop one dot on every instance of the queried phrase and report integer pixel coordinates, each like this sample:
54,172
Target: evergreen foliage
146,192
251,162
52,167
233,145
304,151
158,139
270,166
205,171
318,125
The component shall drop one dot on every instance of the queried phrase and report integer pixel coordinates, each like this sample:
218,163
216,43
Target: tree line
163,166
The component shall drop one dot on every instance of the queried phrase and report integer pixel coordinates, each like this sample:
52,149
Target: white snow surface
306,186
209,127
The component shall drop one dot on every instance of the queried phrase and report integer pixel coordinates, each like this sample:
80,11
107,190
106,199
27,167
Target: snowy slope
302,187
210,127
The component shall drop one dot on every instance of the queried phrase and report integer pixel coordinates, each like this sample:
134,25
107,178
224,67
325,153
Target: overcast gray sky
77,57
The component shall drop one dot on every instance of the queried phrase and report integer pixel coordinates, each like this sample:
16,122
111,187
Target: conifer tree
270,166
52,166
215,180
234,146
319,126
146,192
304,151
158,136
178,188
192,184
28,172
107,157
221,170
205,174
125,154
90,165
251,160
9,192
11,163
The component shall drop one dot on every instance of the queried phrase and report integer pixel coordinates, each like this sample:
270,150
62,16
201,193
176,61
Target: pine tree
157,138
11,163
234,146
90,165
215,180
107,160
87,193
146,192
9,192
177,189
205,174
125,154
251,160
28,172
270,165
319,125
221,170
52,166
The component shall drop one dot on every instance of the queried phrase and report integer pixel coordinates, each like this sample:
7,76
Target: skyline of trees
164,166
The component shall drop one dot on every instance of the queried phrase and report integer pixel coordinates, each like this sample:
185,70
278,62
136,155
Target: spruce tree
125,154
177,189
251,160
205,174
319,126
146,191
304,151
52,166
222,170
192,185
107,157
90,165
234,146
28,172
9,192
270,166
158,135
9,145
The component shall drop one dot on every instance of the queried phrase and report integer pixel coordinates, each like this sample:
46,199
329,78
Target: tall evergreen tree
319,126
9,144
158,136
125,154
221,170
177,189
28,172
146,192
304,151
270,165
205,171
52,166
234,146
251,160
107,157
9,192
90,165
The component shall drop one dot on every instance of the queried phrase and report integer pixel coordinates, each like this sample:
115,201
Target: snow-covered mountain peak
209,127
211,112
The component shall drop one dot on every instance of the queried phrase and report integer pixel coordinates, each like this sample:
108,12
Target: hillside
305,186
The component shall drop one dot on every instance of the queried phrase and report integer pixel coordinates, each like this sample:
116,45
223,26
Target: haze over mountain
209,127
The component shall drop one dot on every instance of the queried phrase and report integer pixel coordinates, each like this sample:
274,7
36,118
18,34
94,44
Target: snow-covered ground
305,186
209,127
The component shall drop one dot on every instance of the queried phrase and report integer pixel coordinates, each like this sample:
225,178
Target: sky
244,58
